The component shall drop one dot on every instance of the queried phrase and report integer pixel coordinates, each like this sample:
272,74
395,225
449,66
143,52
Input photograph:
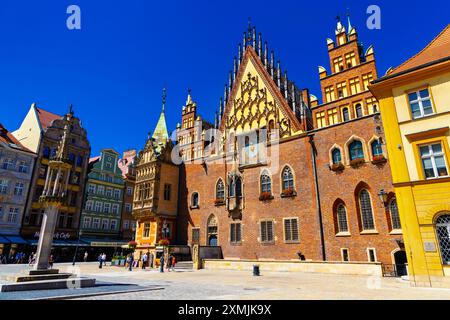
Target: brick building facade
314,192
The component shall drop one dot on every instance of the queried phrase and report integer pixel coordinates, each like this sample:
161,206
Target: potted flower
378,159
288,193
132,244
264,196
163,242
356,162
219,202
338,166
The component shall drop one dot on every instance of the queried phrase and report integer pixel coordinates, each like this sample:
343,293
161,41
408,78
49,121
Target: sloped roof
8,138
93,159
437,49
46,118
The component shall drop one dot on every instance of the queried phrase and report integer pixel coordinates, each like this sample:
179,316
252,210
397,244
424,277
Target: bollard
255,270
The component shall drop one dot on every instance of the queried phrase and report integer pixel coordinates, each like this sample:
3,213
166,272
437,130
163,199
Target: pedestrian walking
150,259
104,258
161,264
131,258
173,263
144,261
50,261
85,256
31,259
100,261
169,263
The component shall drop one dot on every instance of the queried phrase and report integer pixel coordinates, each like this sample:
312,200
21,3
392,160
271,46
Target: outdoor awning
3,240
16,239
59,243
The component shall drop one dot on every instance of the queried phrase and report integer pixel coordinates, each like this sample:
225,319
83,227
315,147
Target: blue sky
114,68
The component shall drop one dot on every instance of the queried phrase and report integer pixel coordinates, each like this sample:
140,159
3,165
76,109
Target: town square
164,153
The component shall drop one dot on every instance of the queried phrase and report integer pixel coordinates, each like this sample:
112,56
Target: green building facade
102,205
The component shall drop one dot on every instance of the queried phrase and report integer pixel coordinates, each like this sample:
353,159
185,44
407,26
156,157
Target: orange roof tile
46,118
8,138
93,159
437,49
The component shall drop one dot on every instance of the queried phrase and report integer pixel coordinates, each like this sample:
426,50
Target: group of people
19,257
101,259
148,260
169,263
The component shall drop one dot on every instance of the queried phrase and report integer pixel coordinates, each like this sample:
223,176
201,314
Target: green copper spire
160,134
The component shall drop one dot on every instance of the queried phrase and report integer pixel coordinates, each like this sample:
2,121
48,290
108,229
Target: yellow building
155,202
415,107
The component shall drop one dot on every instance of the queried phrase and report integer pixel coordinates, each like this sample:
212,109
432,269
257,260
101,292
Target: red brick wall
297,154
344,185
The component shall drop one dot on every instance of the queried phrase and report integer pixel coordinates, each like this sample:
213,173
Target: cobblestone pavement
233,285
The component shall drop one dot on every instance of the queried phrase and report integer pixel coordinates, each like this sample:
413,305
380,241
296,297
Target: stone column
46,237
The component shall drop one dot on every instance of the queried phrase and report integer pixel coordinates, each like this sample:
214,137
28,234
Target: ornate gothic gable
255,100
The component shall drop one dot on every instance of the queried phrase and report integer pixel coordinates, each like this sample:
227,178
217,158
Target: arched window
358,111
194,201
266,183
46,152
288,179
341,217
212,230
356,150
336,156
220,190
79,161
238,187
345,114
443,234
375,108
376,148
72,158
365,207
395,218
232,188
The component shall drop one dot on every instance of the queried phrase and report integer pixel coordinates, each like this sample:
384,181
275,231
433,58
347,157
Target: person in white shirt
144,261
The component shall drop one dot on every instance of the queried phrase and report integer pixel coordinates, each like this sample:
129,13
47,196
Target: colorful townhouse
127,165
102,205
16,167
41,132
415,107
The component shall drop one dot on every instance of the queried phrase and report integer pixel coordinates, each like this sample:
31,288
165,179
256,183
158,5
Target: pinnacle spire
164,96
348,20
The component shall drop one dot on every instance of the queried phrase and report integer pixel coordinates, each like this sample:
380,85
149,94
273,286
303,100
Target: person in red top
173,263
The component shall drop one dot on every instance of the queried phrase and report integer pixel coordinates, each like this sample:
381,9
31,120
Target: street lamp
76,248
383,197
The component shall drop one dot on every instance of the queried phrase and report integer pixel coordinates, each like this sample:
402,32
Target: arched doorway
400,262
211,231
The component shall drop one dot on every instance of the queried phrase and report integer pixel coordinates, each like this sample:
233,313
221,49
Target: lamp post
76,248
383,197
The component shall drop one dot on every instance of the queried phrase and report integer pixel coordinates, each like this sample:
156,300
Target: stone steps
184,265
38,277
48,284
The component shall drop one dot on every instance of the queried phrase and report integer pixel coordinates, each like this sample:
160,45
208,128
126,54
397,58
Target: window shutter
287,230
233,232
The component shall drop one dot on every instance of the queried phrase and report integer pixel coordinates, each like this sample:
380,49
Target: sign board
107,244
429,246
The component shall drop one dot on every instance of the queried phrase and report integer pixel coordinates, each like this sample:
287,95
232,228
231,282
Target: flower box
265,196
132,244
219,202
337,166
163,242
288,193
378,159
356,162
